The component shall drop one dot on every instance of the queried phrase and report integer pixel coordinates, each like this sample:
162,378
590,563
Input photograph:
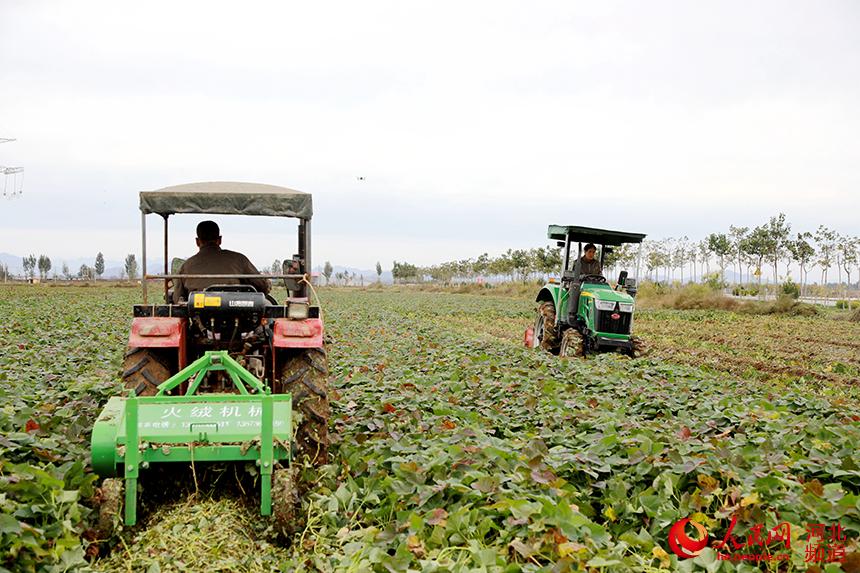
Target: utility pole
15,173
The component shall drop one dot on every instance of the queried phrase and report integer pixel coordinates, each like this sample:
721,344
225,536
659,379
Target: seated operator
211,259
587,264
584,266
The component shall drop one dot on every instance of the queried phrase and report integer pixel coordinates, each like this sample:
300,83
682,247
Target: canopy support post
165,258
143,253
566,255
308,268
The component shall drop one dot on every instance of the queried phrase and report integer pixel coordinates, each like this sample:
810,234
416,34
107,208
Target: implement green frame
133,432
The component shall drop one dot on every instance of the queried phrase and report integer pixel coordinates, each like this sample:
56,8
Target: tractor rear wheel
572,344
545,334
305,376
285,500
143,370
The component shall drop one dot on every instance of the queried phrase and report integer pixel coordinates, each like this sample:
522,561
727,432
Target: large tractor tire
545,335
305,376
572,344
285,500
143,370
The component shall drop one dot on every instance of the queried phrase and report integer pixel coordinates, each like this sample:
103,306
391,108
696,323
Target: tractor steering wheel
598,279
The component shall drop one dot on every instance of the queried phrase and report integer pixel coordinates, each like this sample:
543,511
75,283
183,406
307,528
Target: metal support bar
213,360
183,375
566,255
209,453
211,276
143,252
165,259
238,383
267,455
307,256
132,453
192,388
243,374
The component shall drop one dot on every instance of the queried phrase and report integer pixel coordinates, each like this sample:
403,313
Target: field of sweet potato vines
457,449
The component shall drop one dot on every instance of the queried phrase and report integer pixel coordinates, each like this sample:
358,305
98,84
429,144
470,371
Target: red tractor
280,344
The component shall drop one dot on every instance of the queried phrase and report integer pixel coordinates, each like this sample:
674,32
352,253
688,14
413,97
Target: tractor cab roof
591,235
228,198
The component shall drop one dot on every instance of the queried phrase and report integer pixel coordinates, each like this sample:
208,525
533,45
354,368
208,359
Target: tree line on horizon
43,265
347,278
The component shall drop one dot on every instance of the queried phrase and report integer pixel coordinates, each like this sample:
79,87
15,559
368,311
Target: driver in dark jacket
213,260
588,264
584,266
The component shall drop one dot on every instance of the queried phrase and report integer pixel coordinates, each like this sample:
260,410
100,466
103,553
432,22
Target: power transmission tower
16,174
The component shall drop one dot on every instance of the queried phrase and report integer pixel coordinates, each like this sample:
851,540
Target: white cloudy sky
474,124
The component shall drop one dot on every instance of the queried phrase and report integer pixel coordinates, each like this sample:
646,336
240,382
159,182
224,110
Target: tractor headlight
605,304
625,306
297,310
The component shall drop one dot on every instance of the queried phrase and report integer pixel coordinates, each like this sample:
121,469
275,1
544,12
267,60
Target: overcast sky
473,124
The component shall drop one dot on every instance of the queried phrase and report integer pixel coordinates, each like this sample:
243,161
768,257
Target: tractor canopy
591,235
228,198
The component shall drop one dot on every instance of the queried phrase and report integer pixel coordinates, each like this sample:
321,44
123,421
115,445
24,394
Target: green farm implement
253,426
582,312
230,375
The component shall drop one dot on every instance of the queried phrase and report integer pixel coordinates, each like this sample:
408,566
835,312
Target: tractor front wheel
572,344
143,370
545,335
305,376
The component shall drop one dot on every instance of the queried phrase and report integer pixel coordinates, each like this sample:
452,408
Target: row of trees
747,251
346,277
514,264
43,265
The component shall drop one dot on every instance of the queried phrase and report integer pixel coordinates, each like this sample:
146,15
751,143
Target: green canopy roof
591,235
228,198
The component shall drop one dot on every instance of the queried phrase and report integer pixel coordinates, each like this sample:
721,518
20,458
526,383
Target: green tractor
583,313
230,375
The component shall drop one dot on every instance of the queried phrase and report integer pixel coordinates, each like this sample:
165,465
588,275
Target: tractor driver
211,259
584,266
588,264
